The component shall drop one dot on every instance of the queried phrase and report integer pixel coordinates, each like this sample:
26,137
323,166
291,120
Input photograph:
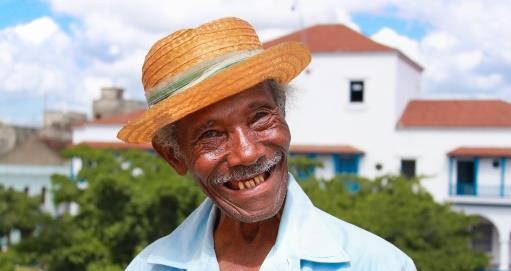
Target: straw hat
194,68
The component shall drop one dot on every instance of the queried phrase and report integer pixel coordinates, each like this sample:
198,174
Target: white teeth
261,178
251,183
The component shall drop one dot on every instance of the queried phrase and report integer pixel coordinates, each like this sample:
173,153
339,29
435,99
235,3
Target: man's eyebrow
256,104
208,124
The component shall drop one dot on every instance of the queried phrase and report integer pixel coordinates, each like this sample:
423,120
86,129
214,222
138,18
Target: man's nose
244,148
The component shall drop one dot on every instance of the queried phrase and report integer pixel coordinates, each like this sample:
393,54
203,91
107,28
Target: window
466,183
346,164
356,91
43,195
408,168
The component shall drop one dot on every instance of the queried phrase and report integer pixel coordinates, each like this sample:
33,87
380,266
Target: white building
27,162
357,109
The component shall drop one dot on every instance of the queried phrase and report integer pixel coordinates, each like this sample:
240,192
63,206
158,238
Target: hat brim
282,62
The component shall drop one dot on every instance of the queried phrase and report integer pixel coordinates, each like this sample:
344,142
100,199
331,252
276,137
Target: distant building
28,160
365,95
29,156
112,103
358,111
57,124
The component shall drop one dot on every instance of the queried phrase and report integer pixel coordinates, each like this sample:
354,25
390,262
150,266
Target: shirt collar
303,234
305,231
180,248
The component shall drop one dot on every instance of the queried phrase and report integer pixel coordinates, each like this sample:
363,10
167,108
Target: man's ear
167,153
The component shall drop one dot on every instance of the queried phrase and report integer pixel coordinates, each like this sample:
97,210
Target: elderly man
217,111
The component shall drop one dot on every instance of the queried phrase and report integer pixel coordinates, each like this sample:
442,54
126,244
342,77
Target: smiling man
217,111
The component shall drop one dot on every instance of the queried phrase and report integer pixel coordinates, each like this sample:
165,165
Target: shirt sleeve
408,265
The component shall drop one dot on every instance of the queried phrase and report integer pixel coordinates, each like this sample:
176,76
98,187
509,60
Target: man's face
237,151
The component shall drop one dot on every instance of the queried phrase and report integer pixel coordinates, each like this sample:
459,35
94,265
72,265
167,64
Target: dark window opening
408,168
43,195
465,178
356,91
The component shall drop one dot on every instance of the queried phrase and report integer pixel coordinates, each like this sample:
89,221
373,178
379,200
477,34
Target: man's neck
244,246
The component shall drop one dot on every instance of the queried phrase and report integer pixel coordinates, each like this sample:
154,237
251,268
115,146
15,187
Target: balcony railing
466,189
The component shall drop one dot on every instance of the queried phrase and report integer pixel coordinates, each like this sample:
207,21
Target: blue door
465,181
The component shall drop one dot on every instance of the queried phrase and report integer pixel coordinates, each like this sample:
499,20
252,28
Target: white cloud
441,41
469,60
464,49
36,31
487,82
30,57
408,46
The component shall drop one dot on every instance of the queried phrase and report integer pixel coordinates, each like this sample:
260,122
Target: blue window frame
346,163
466,176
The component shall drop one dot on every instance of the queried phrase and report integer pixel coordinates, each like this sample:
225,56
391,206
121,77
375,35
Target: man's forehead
249,99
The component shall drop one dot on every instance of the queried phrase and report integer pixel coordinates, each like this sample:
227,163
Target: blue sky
56,54
372,23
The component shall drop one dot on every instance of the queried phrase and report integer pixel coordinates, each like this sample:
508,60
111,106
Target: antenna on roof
45,97
295,7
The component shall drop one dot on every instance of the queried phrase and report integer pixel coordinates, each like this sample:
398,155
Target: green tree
402,212
18,211
302,166
133,197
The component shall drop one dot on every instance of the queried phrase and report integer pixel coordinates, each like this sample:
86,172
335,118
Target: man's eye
259,115
210,134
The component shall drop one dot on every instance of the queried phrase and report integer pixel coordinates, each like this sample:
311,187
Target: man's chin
259,215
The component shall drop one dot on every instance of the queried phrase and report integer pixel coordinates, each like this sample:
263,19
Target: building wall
408,80
488,176
102,133
21,177
112,103
328,169
498,215
430,147
319,111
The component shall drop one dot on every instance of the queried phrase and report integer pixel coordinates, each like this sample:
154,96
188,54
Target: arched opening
486,239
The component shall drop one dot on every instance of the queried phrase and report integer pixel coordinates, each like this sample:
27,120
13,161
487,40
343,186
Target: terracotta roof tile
325,149
481,151
456,114
117,119
330,38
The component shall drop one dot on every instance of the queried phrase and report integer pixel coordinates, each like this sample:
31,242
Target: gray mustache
245,172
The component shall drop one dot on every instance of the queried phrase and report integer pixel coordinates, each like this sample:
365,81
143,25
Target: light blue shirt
308,239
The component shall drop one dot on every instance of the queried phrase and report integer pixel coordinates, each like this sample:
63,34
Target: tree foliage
18,211
400,211
132,198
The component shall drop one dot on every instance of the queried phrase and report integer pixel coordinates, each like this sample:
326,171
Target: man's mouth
251,182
